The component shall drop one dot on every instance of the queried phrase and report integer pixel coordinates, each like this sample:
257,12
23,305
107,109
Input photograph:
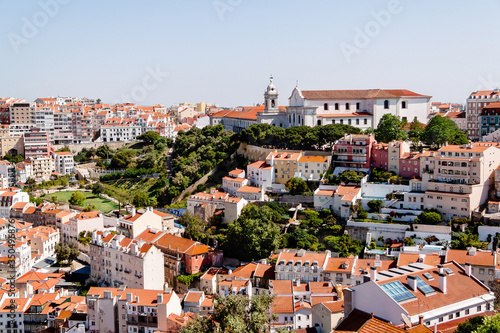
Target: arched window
336,106
404,104
319,122
357,106
386,104
326,106
272,103
347,106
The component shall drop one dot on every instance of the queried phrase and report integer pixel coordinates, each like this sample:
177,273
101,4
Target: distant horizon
223,51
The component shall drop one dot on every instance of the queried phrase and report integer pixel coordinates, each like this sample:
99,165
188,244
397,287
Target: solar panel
424,287
448,271
397,291
428,276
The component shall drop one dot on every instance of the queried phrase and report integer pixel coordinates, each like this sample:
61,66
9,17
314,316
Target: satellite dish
406,320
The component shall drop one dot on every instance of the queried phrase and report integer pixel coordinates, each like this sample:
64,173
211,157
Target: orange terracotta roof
405,259
260,165
359,321
358,94
283,304
249,189
314,159
482,258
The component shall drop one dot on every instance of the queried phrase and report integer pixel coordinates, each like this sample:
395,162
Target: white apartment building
128,310
117,261
136,223
85,221
42,240
260,174
313,167
9,197
232,206
301,264
22,253
63,163
460,178
438,294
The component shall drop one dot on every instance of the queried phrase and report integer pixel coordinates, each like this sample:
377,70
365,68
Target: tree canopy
77,198
296,137
429,217
66,252
296,186
234,313
389,128
441,130
149,137
253,235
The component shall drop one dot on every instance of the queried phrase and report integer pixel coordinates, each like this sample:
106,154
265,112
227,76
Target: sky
224,51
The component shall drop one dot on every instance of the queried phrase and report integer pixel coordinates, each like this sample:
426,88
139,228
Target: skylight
428,276
424,287
448,271
397,291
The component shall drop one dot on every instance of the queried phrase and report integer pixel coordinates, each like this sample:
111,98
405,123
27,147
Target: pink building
354,151
396,157
36,143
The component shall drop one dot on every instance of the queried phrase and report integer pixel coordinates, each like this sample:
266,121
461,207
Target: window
366,121
357,106
404,105
357,121
479,308
481,271
441,319
347,106
336,106
457,314
386,104
467,311
450,316
325,106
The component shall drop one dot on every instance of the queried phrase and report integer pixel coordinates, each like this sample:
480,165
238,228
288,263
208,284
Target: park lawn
103,204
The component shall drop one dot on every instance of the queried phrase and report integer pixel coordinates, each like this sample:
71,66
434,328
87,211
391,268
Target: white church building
358,108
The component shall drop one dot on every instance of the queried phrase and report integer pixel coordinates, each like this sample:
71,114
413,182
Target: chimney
421,320
133,248
159,299
297,282
468,268
442,282
129,297
440,269
412,282
472,251
133,211
373,273
137,299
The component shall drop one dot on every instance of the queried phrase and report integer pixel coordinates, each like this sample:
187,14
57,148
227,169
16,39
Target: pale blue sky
106,48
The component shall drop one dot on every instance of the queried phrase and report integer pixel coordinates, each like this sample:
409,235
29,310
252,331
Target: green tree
97,189
89,208
122,158
253,235
66,252
465,240
104,152
489,325
147,161
296,186
429,217
236,314
77,198
141,199
195,227
362,214
389,128
441,130
343,244
470,325
149,137
375,205
54,198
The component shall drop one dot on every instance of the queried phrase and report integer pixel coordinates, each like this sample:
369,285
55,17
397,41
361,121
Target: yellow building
12,144
285,165
202,107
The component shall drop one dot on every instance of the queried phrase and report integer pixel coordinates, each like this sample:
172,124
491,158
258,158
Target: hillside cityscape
295,217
